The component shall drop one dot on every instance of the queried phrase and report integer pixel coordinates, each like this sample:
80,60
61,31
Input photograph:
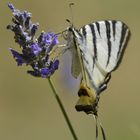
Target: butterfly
97,50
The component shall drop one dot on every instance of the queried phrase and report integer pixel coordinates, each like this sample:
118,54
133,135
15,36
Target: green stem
63,110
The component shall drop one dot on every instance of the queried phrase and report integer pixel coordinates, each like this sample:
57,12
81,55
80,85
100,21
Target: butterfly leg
59,50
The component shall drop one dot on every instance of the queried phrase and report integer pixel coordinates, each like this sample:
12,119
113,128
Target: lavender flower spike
35,51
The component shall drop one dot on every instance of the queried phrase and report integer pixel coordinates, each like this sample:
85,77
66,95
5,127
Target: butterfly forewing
71,43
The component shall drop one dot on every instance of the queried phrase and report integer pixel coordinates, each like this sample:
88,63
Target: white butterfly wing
102,45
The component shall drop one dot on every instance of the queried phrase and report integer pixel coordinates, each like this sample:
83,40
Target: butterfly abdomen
87,100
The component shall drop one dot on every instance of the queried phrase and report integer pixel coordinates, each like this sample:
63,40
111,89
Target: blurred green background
28,109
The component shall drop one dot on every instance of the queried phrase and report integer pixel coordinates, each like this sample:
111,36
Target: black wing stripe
108,32
114,28
123,49
123,34
94,39
94,43
98,27
84,32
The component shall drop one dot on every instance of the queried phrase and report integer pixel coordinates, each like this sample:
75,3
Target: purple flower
11,6
35,49
47,38
48,71
34,29
55,64
26,14
19,57
55,40
45,72
50,39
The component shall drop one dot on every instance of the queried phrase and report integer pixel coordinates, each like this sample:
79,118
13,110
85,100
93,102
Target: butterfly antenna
71,11
69,22
60,33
